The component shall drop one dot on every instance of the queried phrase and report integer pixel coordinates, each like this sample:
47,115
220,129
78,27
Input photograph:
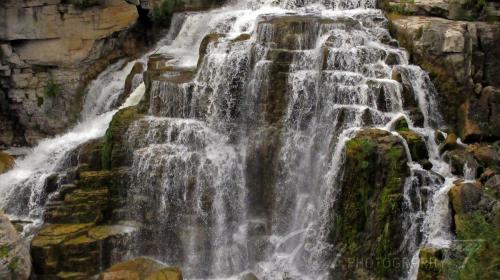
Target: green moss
52,88
4,251
113,154
14,263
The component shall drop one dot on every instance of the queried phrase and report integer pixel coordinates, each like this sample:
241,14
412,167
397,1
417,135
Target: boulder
368,220
15,261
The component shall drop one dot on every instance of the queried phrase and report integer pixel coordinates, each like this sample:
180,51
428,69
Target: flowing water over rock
240,160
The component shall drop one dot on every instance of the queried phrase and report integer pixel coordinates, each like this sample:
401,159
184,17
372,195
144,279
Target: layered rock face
462,57
50,49
458,44
15,261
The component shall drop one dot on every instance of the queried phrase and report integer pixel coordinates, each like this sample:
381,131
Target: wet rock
15,262
6,162
460,160
486,155
248,276
141,268
416,145
76,249
207,40
431,264
450,143
367,224
114,153
476,219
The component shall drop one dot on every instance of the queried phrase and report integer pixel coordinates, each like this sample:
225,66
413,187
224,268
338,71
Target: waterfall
22,193
236,167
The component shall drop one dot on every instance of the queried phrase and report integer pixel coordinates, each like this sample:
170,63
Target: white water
193,158
21,189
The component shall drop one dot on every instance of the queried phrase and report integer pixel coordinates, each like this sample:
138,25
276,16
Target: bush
52,88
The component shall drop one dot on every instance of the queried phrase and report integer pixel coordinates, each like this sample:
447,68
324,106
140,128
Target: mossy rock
416,145
368,221
114,154
141,268
430,264
6,162
476,251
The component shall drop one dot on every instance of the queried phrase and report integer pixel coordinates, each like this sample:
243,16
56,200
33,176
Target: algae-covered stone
430,264
113,153
15,262
368,213
141,268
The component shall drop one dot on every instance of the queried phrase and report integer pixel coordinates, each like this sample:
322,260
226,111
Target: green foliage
4,251
82,4
161,14
52,88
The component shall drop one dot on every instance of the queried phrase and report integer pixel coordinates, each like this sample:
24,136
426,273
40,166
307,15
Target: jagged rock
367,224
76,249
6,162
141,268
15,262
460,57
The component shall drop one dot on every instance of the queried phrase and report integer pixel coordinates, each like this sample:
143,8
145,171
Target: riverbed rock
367,224
15,261
141,268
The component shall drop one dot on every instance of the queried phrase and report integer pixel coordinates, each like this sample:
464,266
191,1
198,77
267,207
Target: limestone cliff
49,50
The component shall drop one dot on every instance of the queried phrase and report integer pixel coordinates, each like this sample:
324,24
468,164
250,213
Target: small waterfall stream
237,169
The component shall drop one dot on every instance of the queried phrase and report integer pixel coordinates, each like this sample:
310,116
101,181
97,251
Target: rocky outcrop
368,210
475,253
141,268
82,233
50,49
15,261
462,59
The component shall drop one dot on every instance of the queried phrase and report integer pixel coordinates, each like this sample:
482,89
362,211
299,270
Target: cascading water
22,193
238,168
